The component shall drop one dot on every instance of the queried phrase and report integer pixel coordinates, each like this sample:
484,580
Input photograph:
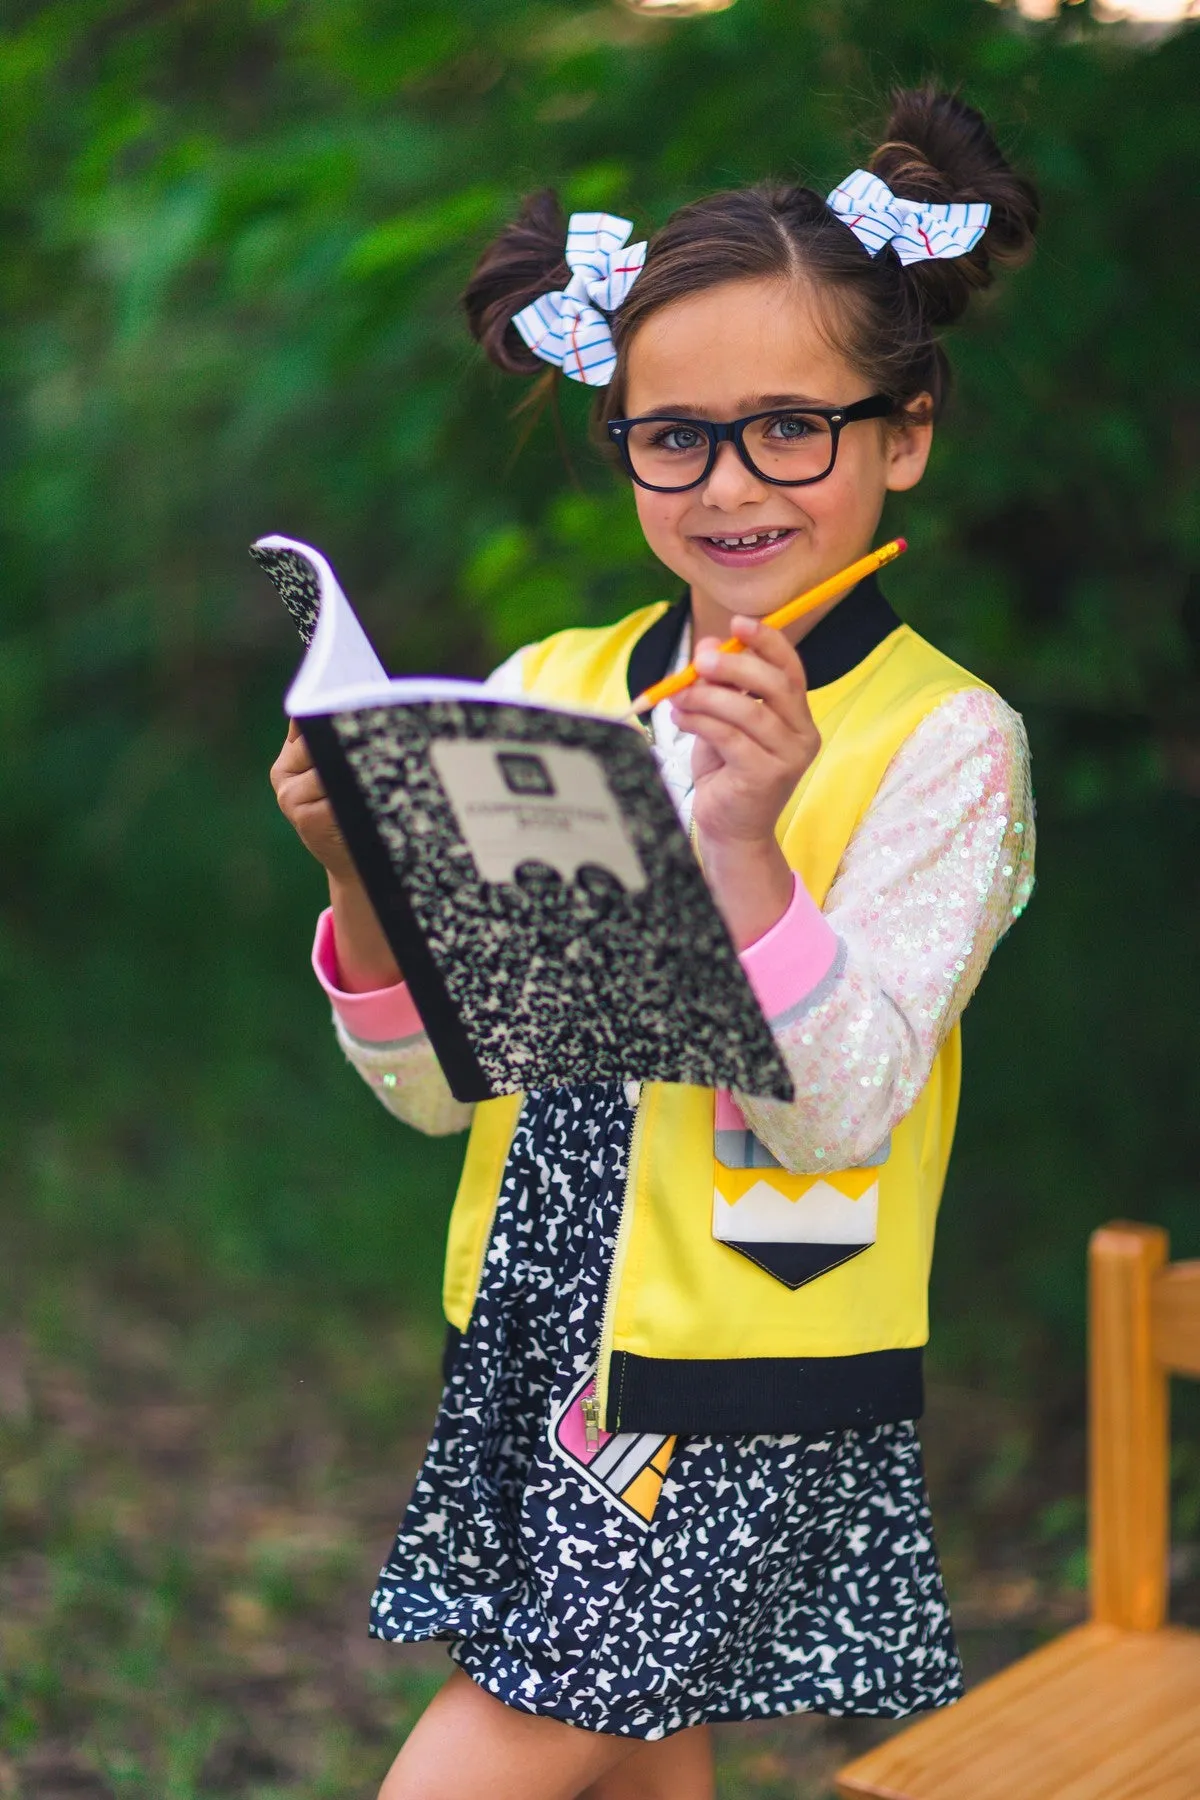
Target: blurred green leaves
424,230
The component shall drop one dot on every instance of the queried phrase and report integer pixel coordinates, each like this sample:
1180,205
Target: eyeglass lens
790,446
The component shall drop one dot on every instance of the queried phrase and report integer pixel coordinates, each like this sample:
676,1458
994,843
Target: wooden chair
1111,1710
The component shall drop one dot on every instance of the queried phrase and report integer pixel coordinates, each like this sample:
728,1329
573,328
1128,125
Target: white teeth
740,543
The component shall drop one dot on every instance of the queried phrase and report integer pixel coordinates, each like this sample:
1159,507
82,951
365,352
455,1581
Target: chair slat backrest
1176,1318
1128,1428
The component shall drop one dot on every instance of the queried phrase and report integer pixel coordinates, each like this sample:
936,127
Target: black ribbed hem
741,1395
734,1398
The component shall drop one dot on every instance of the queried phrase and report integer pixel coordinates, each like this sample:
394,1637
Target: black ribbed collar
834,646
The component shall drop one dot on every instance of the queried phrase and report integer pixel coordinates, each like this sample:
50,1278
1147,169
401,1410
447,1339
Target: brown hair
882,315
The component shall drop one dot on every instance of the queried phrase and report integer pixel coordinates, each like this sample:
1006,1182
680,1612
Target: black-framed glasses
788,446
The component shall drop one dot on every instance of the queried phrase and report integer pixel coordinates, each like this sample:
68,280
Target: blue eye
679,437
791,428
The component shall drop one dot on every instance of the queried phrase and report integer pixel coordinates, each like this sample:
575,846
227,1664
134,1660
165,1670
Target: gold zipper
591,1420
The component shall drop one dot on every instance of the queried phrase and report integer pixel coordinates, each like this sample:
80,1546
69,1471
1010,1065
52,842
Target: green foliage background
234,237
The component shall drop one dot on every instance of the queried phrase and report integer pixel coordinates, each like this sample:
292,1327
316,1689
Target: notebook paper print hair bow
918,230
568,327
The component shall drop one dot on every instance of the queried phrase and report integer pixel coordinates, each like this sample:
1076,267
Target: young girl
675,1476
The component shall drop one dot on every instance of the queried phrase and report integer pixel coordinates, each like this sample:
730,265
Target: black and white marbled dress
778,1575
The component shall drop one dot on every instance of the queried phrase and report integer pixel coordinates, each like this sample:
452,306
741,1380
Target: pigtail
524,261
937,148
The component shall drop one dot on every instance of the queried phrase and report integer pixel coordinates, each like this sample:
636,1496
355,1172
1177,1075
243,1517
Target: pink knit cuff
379,1016
787,962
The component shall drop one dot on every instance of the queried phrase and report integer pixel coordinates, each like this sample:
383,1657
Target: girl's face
740,348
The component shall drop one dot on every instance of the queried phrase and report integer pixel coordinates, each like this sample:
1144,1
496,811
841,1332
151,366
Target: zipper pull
590,1407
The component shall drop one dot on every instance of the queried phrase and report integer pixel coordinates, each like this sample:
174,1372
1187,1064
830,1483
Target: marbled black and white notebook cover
532,877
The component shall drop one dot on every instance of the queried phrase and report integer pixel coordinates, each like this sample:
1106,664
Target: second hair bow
916,229
569,327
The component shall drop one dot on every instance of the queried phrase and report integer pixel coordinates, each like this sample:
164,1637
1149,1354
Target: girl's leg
467,1744
674,1768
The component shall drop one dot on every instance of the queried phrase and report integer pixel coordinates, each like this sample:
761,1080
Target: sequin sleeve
380,1033
939,868
407,1077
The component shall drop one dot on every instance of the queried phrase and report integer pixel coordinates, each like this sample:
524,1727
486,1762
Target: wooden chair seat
1099,1714
1110,1711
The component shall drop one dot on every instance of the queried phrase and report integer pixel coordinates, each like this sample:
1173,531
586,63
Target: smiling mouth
751,539
746,549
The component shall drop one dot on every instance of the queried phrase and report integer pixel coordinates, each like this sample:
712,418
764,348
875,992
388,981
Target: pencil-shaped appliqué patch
627,1467
796,1227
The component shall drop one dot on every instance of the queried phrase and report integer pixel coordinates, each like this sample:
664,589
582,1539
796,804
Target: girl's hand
755,738
365,959
303,804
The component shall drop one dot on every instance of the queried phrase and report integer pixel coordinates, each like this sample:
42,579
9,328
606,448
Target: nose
730,483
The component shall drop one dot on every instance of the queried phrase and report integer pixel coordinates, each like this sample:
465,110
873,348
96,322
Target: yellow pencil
785,615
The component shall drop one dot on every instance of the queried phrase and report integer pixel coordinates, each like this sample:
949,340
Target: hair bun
526,260
937,148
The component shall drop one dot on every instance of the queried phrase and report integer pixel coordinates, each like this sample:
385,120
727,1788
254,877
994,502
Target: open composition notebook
527,867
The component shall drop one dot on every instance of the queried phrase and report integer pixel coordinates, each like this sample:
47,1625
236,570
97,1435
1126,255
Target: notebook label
516,803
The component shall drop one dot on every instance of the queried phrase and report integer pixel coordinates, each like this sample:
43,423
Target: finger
735,752
742,668
293,759
752,673
293,732
759,723
771,644
316,813
743,672
761,735
776,706
301,790
774,651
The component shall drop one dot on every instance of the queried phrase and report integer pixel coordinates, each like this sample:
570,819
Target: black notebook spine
385,891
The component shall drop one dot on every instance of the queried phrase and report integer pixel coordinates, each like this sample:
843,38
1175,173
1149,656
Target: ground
196,1498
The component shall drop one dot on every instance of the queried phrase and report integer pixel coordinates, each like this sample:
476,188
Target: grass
195,1501
199,1480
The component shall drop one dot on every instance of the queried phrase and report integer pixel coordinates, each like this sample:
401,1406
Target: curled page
340,655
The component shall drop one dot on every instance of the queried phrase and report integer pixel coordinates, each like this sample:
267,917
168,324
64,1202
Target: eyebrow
750,403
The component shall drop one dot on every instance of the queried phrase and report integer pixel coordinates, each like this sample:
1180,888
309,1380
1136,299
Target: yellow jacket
698,1337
